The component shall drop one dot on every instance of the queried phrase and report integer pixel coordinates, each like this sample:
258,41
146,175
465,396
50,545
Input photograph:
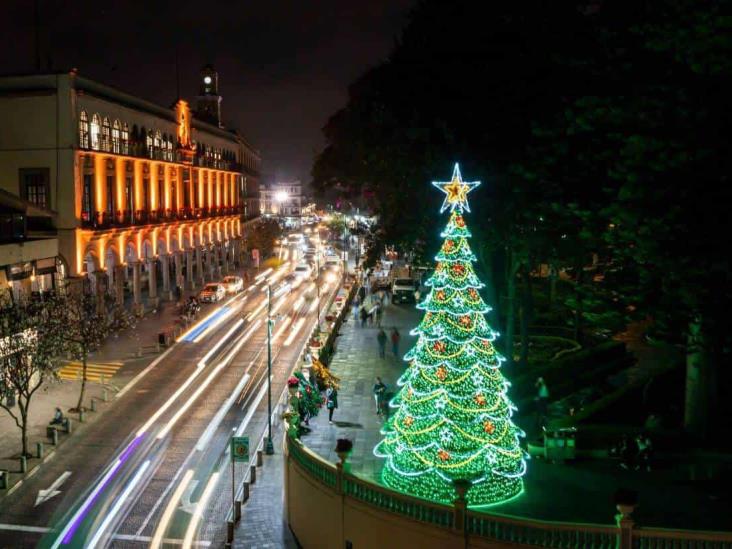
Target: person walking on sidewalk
364,316
379,393
381,339
378,313
542,402
354,309
395,337
331,401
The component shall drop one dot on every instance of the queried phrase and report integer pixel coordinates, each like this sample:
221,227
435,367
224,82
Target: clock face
206,79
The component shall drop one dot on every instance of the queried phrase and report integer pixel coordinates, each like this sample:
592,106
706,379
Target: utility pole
269,448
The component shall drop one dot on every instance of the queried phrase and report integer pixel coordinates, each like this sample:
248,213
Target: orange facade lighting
166,184
137,182
154,198
100,171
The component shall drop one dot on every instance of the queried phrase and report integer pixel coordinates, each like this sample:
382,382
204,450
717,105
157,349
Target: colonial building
283,199
144,198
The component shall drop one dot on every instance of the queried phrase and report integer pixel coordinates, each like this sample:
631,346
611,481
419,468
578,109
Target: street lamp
269,446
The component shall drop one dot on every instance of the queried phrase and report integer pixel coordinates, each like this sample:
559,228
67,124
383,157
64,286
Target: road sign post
239,452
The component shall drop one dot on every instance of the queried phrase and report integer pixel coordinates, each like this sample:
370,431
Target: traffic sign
239,448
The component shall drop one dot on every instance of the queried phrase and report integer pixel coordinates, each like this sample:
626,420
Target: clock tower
208,102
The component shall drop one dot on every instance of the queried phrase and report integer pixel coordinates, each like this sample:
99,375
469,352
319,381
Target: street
168,437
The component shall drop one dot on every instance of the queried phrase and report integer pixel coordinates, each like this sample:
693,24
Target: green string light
453,415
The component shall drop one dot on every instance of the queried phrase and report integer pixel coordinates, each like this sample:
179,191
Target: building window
106,141
156,143
161,193
146,195
83,130
115,137
86,198
125,139
34,186
110,196
129,195
96,128
170,150
149,144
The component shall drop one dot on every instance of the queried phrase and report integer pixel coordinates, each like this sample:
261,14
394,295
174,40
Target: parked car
233,284
402,290
212,293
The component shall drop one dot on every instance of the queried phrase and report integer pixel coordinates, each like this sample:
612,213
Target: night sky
284,66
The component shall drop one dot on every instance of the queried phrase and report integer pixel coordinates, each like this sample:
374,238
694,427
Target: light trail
226,312
68,532
281,329
118,504
263,274
202,387
294,332
218,418
314,306
170,509
190,380
198,512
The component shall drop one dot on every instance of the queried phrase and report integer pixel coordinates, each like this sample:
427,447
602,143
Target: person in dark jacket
331,401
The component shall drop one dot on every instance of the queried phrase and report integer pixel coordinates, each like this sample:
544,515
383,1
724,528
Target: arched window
95,131
115,137
106,134
125,139
149,144
157,144
83,130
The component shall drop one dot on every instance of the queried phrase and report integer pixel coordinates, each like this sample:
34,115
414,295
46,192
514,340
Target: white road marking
24,528
53,490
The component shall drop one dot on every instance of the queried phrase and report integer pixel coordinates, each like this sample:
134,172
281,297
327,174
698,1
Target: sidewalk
134,350
670,496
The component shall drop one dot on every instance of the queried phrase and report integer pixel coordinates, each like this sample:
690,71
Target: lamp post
269,447
317,284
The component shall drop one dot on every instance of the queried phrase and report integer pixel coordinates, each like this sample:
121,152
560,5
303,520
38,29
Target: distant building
283,199
143,198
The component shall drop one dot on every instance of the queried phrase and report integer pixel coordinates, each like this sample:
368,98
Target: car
233,284
303,271
212,293
293,280
332,264
402,290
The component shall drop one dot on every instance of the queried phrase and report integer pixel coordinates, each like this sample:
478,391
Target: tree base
494,490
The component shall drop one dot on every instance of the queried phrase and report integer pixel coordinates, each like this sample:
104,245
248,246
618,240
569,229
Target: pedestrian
542,401
628,452
58,417
361,294
379,313
331,401
645,448
395,337
354,309
379,393
364,316
381,339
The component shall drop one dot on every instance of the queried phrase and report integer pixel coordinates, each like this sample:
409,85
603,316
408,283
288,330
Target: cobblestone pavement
357,363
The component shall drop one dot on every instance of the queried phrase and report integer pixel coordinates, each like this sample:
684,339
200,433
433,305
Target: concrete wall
321,518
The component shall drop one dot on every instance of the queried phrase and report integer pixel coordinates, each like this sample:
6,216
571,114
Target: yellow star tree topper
456,191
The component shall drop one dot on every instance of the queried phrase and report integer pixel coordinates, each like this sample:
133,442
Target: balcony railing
127,218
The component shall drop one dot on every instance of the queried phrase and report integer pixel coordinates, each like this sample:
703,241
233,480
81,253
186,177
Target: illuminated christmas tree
453,415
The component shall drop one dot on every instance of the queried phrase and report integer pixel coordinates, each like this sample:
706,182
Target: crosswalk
94,370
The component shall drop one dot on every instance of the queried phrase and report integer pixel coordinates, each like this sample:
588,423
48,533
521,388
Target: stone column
136,287
119,284
179,269
225,257
210,263
199,265
152,283
100,278
189,269
217,260
165,268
